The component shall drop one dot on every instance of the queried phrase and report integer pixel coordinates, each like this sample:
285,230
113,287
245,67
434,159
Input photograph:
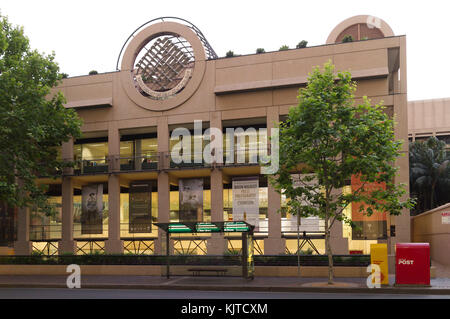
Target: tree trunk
433,186
329,252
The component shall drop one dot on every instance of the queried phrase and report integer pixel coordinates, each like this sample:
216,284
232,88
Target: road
59,293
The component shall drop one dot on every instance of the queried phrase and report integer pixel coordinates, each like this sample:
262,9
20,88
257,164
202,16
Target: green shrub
260,50
347,38
302,44
284,48
229,54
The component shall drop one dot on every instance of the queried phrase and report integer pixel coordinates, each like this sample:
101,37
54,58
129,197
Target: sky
88,35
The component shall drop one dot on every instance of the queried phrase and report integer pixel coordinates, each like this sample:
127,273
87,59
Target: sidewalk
439,286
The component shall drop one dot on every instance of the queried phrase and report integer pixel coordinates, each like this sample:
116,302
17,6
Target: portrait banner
92,209
140,213
191,200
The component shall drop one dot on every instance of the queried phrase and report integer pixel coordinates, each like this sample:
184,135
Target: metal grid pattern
139,247
162,66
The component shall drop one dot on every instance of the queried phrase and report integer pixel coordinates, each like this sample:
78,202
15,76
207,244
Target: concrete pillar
67,244
217,244
114,245
23,245
113,147
67,155
163,184
138,155
274,244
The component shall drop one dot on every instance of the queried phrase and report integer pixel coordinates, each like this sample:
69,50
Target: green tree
33,124
429,173
284,48
334,139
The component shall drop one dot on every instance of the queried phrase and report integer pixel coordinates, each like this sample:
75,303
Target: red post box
412,264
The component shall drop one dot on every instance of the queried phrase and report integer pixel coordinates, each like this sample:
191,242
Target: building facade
429,118
169,95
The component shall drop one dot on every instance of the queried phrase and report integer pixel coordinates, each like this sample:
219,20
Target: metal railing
158,161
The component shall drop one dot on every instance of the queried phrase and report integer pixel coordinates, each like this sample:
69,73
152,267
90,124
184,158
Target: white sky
88,35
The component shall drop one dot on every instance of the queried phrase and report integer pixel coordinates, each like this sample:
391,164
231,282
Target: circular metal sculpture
164,63
165,67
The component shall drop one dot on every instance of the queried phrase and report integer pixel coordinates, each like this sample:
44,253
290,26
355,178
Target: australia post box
412,264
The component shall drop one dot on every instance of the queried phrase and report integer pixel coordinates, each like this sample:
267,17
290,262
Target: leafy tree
429,170
284,48
93,72
33,124
260,50
331,137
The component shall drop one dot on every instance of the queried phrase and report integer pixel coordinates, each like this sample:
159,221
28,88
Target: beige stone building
429,118
168,77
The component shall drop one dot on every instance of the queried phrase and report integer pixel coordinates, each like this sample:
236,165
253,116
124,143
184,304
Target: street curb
383,290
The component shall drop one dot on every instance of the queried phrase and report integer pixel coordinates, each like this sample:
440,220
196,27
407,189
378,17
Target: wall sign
246,200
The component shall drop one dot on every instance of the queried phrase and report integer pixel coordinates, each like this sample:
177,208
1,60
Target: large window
243,145
91,155
139,152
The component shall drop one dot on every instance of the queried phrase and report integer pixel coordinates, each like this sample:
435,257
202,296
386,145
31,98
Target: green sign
208,227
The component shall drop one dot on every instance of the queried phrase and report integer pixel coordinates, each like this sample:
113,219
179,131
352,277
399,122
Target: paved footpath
439,286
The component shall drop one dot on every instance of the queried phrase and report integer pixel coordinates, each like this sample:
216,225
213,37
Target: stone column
114,245
67,155
217,244
138,157
274,244
67,244
23,245
163,184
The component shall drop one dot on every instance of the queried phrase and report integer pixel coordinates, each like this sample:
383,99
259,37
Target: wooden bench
198,271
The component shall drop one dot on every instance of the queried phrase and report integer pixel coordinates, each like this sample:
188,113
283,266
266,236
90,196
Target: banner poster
140,213
92,209
246,200
191,200
307,224
367,227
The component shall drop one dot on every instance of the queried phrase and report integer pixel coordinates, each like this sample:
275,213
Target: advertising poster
368,227
307,224
92,209
191,200
246,200
140,220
